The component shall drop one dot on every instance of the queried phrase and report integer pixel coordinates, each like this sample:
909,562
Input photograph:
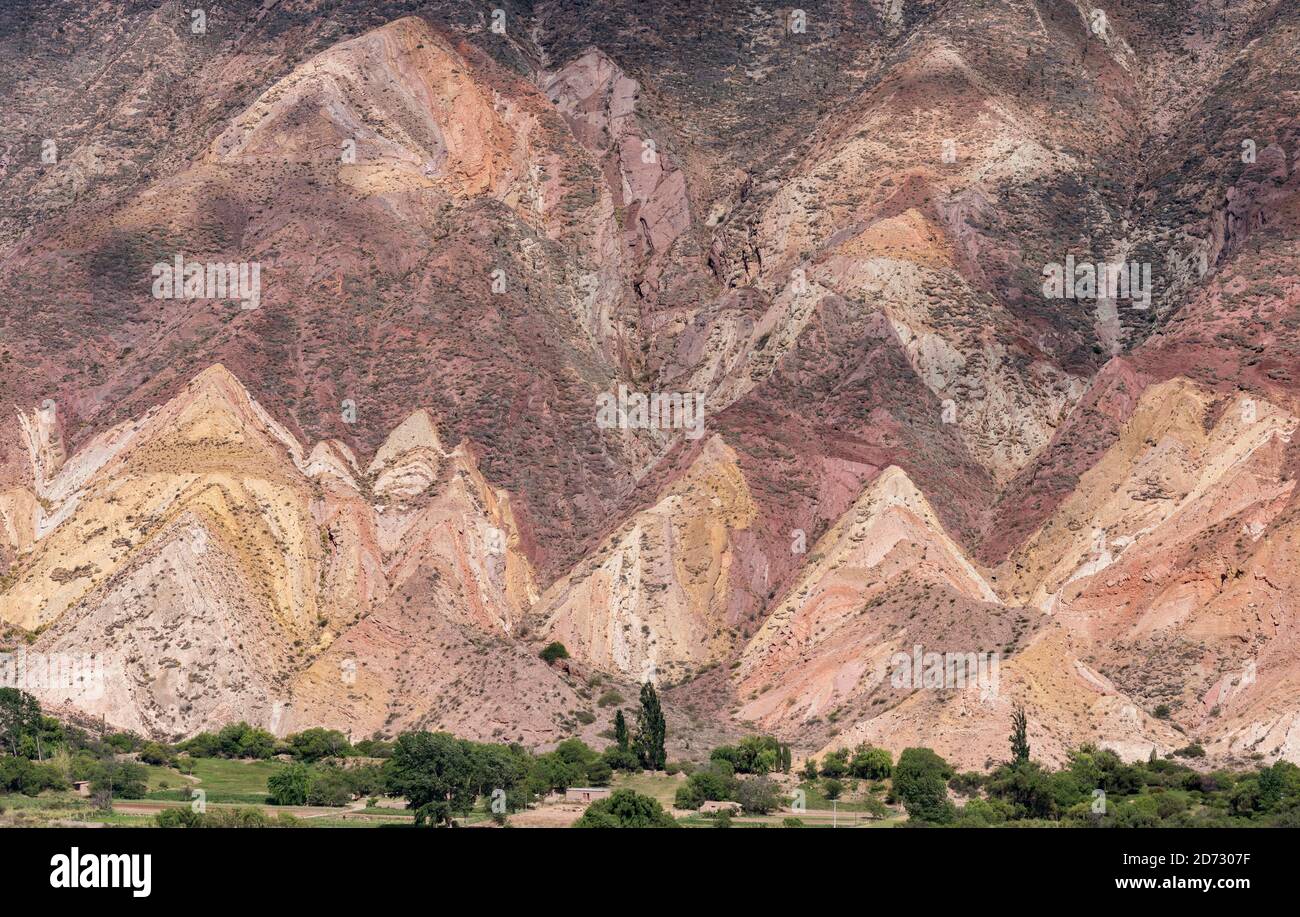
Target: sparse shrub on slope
553,651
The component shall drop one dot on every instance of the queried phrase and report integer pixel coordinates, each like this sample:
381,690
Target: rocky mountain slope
367,496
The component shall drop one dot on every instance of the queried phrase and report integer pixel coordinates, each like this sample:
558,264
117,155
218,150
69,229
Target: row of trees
865,762
439,774
755,755
41,753
442,776
240,740
717,782
1095,787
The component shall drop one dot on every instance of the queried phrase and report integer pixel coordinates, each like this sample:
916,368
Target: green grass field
657,786
63,806
165,778
221,779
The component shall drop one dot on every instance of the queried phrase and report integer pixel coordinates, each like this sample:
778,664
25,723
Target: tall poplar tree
620,731
651,730
1019,736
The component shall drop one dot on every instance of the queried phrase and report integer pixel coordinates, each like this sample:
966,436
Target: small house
82,787
586,793
720,806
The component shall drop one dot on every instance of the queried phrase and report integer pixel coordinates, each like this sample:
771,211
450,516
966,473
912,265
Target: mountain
656,598
729,346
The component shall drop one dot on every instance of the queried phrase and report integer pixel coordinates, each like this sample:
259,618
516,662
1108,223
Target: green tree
155,753
716,782
367,780
1019,736
599,773
178,817
551,772
20,775
20,719
329,787
625,809
621,759
651,731
871,763
435,772
1272,786
290,785
505,768
758,795
836,763
202,745
1027,787
119,779
256,743
311,745
621,738
688,796
753,755
921,782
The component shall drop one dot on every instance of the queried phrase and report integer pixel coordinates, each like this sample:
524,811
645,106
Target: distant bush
622,759
156,753
871,763
311,745
289,785
554,651
244,817
19,775
716,782
120,780
687,797
374,748
178,817
967,783
758,795
328,787
753,755
238,740
836,763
